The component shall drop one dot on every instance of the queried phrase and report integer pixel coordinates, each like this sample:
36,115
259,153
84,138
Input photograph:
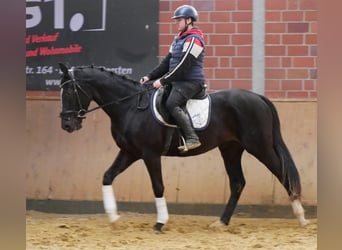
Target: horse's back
243,110
232,95
239,100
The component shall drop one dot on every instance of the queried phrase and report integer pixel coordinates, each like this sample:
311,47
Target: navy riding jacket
184,62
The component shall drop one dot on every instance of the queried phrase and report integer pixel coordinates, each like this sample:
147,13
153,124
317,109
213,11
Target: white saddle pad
198,109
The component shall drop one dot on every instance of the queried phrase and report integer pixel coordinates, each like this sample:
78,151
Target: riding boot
183,121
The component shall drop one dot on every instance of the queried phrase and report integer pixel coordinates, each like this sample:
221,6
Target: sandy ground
134,231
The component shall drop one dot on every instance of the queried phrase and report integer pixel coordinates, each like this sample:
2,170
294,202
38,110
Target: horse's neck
109,88
114,91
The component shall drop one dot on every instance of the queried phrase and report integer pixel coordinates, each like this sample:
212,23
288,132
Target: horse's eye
68,92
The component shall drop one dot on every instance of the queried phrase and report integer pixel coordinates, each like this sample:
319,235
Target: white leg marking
163,214
298,210
110,203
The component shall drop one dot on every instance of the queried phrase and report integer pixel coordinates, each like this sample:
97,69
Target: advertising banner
121,35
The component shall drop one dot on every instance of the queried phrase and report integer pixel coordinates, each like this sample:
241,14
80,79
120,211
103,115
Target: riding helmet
186,11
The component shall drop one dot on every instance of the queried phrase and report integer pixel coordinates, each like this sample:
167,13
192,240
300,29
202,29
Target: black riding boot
183,121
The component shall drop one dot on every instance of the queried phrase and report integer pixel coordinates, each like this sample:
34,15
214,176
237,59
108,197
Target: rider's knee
171,105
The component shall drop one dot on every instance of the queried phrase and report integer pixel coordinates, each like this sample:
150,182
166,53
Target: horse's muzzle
71,124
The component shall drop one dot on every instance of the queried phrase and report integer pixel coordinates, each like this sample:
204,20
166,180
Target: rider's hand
144,79
157,84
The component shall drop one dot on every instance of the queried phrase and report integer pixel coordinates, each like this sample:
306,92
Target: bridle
73,113
81,113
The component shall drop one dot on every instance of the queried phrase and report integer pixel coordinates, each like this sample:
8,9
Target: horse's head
74,100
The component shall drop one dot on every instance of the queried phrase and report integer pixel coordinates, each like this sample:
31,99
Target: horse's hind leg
231,153
280,163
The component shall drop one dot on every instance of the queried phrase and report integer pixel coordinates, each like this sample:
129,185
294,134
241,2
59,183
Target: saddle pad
198,109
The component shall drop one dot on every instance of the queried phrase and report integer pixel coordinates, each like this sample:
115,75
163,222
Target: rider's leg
183,121
180,93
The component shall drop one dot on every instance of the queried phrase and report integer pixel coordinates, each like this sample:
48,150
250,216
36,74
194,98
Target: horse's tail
290,172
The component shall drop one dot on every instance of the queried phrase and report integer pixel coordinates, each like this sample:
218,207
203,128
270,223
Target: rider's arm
161,69
192,48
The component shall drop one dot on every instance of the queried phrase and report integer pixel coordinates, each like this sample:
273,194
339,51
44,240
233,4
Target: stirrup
185,147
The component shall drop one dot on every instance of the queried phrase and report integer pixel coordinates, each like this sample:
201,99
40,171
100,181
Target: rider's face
180,23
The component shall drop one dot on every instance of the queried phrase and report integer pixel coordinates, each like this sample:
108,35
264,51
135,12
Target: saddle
198,108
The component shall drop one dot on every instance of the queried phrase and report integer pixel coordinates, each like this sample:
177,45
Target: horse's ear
63,68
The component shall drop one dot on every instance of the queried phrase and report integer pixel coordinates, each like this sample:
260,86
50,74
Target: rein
120,100
82,112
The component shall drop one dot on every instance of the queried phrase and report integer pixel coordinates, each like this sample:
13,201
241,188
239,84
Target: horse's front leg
153,164
121,163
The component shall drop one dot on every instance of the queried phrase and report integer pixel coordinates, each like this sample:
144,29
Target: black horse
240,120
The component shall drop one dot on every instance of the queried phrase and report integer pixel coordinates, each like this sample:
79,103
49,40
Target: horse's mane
110,72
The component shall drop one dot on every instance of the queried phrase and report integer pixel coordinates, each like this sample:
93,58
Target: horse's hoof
157,228
113,219
114,225
304,222
217,224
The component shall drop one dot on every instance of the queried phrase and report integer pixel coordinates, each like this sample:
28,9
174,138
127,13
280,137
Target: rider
182,68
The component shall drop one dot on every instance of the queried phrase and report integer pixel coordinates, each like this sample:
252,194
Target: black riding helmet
186,11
